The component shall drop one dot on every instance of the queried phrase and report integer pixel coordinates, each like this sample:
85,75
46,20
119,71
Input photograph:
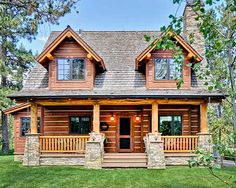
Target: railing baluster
179,143
63,143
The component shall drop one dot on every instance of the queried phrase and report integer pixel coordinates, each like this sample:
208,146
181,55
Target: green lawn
13,174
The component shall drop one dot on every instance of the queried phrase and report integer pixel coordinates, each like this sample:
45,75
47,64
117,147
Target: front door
124,135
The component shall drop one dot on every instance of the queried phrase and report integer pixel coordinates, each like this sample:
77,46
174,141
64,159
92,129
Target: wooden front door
124,135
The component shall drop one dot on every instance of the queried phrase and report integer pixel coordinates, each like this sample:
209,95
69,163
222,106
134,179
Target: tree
217,24
21,19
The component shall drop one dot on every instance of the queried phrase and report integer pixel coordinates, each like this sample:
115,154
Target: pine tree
21,19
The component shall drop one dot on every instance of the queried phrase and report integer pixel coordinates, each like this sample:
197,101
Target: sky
110,15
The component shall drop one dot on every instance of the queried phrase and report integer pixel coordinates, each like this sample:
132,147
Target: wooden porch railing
180,143
70,144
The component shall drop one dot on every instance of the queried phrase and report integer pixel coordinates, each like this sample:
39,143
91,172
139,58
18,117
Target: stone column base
32,150
94,151
155,152
205,142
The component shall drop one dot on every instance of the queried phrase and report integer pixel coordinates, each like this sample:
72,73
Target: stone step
125,154
124,160
124,165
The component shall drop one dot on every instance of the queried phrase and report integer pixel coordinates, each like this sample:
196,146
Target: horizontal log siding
71,49
56,122
151,83
56,119
19,141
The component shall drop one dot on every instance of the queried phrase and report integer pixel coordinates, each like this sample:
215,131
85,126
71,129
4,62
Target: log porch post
203,124
34,118
96,118
154,117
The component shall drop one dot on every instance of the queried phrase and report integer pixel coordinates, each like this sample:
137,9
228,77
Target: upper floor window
166,69
71,69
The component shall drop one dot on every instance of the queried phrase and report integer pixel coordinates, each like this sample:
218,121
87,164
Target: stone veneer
178,160
94,151
155,152
191,27
205,142
32,150
18,157
62,160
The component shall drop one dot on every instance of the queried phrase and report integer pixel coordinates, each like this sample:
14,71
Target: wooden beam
96,118
64,102
69,35
154,117
90,57
50,57
148,56
34,118
203,116
189,56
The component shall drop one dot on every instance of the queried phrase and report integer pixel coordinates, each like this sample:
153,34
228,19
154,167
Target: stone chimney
191,27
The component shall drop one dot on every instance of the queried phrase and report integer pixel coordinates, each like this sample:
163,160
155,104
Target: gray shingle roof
118,50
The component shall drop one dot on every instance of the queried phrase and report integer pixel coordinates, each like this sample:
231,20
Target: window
166,69
80,124
71,69
25,125
170,125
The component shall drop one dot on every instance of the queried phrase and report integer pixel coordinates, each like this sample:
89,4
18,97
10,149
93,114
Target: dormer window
166,69
71,69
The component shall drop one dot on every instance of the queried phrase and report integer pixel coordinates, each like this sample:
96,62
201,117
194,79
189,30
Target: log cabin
109,99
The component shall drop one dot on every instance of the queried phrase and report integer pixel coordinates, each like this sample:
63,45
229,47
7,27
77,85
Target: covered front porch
123,126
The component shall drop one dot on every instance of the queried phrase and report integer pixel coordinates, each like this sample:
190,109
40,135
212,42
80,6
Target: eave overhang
16,108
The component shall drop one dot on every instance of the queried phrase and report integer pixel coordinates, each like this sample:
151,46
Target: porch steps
124,160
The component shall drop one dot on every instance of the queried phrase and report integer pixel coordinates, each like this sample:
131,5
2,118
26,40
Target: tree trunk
5,134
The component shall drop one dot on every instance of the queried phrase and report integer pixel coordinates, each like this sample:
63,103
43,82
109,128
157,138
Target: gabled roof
16,108
69,32
192,53
118,50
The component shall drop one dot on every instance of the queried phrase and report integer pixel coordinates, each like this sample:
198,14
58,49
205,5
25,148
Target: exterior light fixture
137,118
112,117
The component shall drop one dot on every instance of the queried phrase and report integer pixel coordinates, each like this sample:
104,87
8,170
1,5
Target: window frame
168,69
90,123
38,124
172,115
71,80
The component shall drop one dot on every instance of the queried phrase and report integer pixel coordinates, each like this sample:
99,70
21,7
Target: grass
13,174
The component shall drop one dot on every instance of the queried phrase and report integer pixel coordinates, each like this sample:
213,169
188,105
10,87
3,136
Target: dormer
159,66
71,62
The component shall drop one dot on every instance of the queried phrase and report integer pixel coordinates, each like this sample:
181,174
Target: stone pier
94,151
32,150
155,152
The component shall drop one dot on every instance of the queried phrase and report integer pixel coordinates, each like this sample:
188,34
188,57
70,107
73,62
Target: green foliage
204,158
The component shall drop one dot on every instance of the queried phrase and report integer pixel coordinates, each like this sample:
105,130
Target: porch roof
118,93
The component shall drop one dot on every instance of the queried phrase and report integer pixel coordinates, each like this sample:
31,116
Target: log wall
55,121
